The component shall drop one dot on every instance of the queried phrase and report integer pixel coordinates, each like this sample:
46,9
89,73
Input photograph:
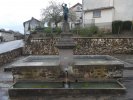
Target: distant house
103,12
10,35
18,36
77,9
6,36
31,25
1,39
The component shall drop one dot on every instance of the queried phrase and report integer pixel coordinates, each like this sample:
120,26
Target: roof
12,45
4,31
76,5
9,31
102,8
18,34
31,20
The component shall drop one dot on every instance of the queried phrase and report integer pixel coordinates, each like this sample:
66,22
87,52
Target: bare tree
54,13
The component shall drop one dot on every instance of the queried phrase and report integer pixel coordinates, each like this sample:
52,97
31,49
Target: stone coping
86,38
79,60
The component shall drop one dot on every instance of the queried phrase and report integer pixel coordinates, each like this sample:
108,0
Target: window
78,8
97,14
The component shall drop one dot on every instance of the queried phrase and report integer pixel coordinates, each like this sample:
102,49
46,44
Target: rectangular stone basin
79,60
56,88
84,67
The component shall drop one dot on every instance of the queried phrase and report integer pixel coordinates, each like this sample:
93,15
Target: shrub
93,30
116,27
75,30
57,30
100,34
78,46
86,31
103,34
39,29
48,30
127,25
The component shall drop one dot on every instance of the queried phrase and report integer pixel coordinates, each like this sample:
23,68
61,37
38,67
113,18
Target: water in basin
76,58
81,85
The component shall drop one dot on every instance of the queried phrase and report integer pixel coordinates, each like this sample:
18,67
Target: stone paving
6,82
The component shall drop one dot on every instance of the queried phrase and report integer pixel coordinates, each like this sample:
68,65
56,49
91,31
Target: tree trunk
56,24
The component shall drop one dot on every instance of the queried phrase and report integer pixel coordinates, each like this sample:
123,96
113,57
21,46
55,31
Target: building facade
6,36
102,12
31,25
77,10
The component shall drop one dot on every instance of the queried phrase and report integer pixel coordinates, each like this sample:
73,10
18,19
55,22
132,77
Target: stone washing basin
56,88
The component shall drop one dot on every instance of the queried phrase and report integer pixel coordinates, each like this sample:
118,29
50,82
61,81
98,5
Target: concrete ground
6,82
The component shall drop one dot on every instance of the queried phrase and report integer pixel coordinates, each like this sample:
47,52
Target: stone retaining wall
80,73
41,47
9,56
84,46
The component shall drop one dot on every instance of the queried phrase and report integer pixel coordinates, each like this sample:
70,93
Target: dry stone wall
9,56
84,46
41,47
104,46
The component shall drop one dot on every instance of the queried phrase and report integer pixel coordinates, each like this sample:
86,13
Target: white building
31,25
103,12
77,10
6,36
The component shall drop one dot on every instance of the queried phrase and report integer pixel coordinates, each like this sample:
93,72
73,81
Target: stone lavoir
83,68
66,74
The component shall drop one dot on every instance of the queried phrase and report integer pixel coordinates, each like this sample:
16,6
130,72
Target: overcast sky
14,12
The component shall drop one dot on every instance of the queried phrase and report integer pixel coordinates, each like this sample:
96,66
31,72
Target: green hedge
127,25
118,26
